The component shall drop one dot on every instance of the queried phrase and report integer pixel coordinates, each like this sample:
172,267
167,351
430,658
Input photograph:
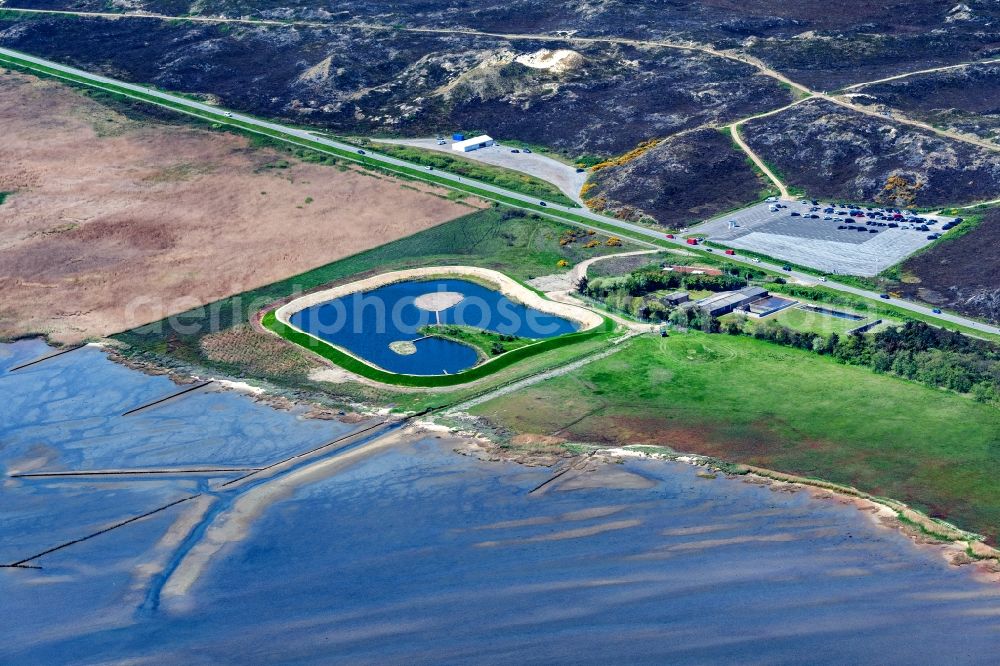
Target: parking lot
828,240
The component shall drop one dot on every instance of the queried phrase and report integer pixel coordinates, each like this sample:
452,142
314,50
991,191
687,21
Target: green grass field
805,321
745,400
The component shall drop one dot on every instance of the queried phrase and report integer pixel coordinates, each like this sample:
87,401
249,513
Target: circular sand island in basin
438,301
403,347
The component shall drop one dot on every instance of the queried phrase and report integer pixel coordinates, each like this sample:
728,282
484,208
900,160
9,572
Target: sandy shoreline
958,546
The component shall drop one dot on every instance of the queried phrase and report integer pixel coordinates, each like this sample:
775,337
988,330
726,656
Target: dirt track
109,213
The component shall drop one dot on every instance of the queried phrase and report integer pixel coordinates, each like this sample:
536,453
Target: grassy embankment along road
745,400
307,139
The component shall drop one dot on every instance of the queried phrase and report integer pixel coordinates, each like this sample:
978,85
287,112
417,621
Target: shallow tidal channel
413,553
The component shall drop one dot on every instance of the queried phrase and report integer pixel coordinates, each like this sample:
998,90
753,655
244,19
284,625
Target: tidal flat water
416,554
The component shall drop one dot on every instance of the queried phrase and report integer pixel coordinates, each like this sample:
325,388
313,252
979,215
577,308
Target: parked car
514,150
526,150
786,267
794,214
670,236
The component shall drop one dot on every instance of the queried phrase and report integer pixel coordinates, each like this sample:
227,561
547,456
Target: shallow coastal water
417,554
366,324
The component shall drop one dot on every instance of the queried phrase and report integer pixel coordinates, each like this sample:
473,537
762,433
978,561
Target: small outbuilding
675,299
475,143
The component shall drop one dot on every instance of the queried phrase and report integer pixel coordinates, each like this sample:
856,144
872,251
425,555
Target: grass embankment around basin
746,400
490,367
509,179
521,246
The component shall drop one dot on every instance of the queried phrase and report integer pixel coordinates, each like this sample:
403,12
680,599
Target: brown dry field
109,212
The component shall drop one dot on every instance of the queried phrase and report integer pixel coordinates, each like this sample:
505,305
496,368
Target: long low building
475,143
725,302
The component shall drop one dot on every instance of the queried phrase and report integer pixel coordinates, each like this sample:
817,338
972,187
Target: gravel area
563,176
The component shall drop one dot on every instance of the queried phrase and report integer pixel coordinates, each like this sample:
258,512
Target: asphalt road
633,231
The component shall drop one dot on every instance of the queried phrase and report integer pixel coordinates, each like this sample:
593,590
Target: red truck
731,252
692,241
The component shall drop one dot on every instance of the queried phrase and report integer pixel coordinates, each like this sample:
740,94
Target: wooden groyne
42,359
154,403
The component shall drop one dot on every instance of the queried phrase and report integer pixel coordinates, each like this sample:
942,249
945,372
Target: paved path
632,231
